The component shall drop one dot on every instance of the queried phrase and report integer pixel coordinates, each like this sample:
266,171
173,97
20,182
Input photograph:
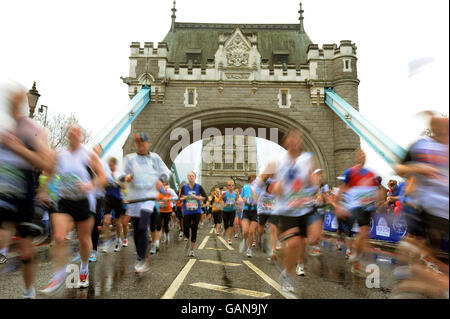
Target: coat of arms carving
238,52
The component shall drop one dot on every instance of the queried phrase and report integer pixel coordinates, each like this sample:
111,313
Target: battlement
148,50
331,51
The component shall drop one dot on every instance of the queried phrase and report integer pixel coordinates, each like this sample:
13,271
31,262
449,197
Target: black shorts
16,218
116,204
100,204
217,216
251,214
78,209
302,222
263,218
228,218
361,215
420,223
179,213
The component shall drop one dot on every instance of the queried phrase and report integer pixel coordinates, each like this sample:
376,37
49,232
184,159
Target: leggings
155,221
140,233
97,222
191,222
166,218
228,219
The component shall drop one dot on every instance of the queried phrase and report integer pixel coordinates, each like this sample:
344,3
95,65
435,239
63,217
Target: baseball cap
141,137
317,171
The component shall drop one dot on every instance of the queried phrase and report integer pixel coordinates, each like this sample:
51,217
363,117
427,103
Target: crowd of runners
77,190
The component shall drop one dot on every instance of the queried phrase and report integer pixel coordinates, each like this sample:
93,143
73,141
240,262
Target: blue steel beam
384,146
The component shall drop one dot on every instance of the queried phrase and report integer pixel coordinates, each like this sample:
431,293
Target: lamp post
41,110
33,97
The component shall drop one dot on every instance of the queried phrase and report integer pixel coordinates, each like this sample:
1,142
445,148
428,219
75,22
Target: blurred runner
249,222
23,147
425,204
229,209
217,206
192,194
145,173
294,189
81,173
165,208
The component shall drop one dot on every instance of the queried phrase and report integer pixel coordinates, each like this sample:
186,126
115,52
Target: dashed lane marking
270,281
219,262
239,291
225,243
204,241
170,293
215,248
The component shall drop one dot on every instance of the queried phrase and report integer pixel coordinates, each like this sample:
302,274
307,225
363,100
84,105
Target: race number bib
300,199
12,182
191,204
230,202
268,203
68,186
163,204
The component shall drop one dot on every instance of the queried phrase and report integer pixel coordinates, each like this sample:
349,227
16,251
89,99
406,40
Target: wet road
218,271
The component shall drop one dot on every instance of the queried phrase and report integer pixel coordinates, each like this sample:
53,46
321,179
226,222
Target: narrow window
190,97
283,98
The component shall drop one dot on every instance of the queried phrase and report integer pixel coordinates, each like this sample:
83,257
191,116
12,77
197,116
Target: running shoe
249,253
254,243
357,269
348,254
180,235
29,293
315,251
125,243
55,284
229,242
84,280
118,244
352,258
138,265
163,238
300,270
285,282
93,256
217,234
3,259
338,246
143,267
153,249
107,245
191,252
242,246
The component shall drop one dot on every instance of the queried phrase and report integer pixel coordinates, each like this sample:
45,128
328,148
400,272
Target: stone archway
233,117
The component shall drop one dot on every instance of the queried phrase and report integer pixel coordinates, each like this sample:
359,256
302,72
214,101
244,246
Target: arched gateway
260,76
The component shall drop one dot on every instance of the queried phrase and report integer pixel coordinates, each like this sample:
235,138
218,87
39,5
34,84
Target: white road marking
245,292
202,245
210,248
170,293
212,231
219,262
225,243
270,281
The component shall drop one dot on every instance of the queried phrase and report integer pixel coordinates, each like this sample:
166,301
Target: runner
363,201
145,172
23,147
114,202
179,211
229,209
192,194
81,173
266,203
165,207
250,195
217,206
294,191
99,207
239,212
320,206
427,212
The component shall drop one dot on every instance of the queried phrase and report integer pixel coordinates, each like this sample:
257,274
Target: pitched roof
205,37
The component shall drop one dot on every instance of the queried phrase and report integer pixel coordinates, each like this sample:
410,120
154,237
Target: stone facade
240,87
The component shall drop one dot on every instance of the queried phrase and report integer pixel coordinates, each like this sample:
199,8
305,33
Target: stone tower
247,76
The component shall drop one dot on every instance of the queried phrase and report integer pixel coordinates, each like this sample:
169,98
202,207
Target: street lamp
33,97
41,110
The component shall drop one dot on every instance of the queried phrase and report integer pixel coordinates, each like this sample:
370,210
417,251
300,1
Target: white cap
318,171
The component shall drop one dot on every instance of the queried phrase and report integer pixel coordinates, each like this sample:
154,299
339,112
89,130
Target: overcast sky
77,51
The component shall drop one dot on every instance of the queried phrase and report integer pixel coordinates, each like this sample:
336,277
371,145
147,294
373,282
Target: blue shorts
239,214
